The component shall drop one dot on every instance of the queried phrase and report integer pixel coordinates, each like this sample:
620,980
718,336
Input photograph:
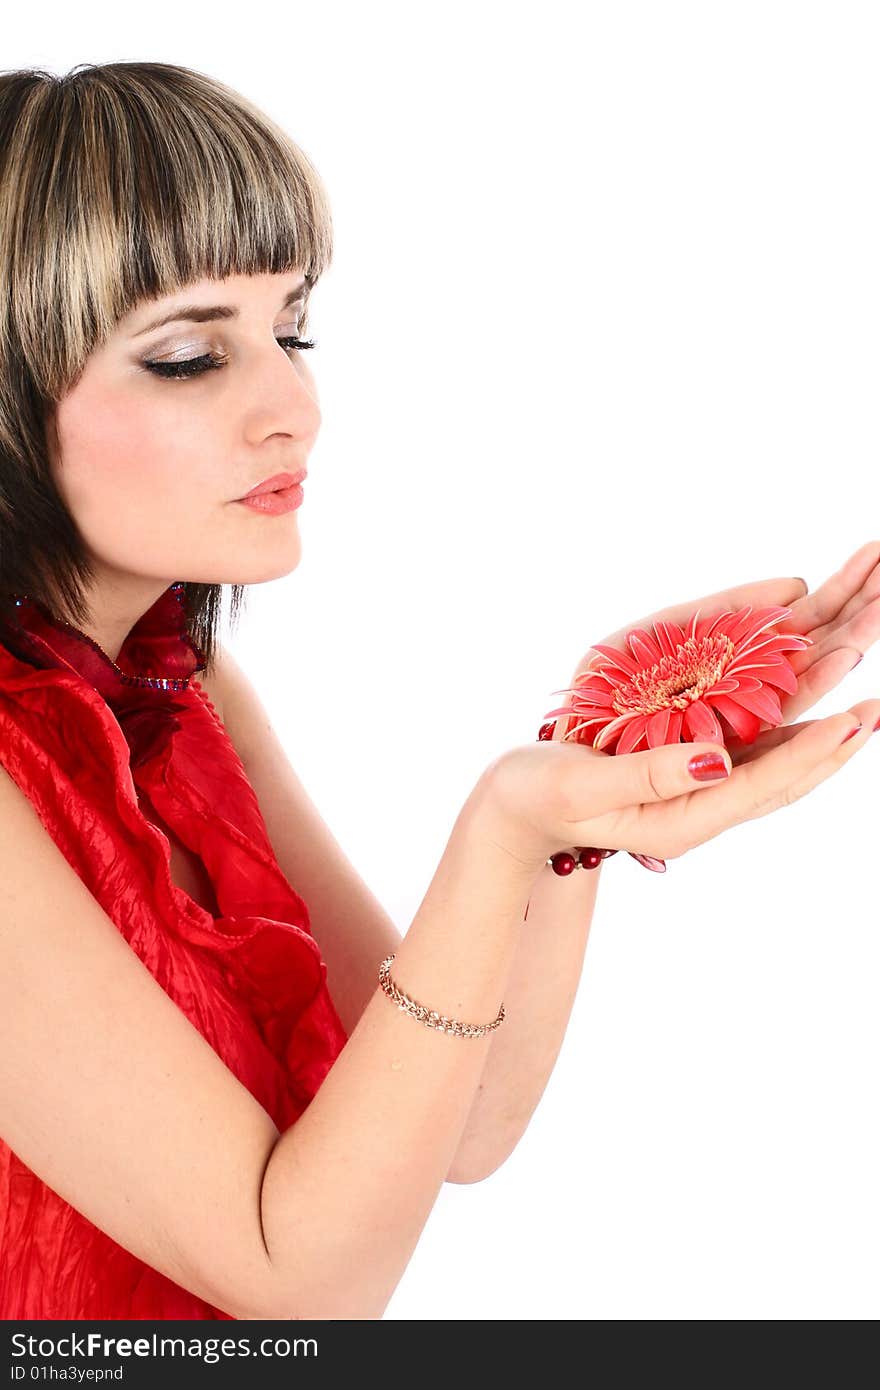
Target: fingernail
802,581
876,726
852,733
857,660
705,767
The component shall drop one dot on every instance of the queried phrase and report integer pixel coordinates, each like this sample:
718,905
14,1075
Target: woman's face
150,467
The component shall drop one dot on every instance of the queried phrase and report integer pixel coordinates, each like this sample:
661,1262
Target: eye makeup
183,370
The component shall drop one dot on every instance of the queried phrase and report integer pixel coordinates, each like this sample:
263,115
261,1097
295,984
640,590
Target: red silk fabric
80,734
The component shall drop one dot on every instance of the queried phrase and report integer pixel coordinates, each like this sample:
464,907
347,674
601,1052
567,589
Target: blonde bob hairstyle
119,183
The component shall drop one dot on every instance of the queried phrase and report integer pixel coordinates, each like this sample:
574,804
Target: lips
276,483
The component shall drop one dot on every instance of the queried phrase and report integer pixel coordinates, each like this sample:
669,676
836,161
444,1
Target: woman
209,1107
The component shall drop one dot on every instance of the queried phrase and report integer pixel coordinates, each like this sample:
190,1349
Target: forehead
204,300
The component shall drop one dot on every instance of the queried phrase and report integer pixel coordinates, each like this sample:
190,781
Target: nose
281,397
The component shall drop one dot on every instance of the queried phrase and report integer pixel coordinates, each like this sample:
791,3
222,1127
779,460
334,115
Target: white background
600,335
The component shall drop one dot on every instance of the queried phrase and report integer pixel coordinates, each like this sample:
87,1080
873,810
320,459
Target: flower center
674,682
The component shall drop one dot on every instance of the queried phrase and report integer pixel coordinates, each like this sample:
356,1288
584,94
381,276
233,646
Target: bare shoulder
235,699
212,683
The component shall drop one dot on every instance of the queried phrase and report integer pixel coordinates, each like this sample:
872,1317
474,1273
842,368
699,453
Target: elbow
471,1168
454,1176
479,1156
340,1303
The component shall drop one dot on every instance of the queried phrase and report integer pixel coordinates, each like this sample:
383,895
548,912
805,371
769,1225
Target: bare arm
162,1147
540,993
355,932
349,1188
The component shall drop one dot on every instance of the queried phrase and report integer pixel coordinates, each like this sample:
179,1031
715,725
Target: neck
114,609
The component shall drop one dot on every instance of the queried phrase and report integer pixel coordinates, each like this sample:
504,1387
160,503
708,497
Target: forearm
349,1187
538,999
540,993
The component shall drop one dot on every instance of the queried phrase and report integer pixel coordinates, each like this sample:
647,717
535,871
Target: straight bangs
122,183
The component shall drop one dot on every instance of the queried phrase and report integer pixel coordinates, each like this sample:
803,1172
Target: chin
258,570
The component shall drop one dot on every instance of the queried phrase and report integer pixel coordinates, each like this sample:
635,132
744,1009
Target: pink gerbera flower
674,685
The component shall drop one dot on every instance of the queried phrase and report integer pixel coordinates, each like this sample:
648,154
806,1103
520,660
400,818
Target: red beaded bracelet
565,862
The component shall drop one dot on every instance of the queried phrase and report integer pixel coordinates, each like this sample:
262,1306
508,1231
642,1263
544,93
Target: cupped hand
841,617
547,796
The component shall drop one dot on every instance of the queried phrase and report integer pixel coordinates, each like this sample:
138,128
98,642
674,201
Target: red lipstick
280,493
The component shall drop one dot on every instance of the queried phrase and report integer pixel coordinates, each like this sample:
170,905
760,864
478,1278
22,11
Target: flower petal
739,625
745,724
632,736
643,647
576,729
604,679
622,660
669,637
553,713
593,695
781,675
708,625
611,731
770,672
701,723
657,866
758,621
746,682
693,624
658,728
592,680
763,702
774,642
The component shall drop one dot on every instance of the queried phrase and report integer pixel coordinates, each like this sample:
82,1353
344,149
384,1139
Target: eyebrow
207,313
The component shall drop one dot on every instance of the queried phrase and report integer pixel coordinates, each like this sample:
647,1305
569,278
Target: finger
817,680
741,753
765,593
855,629
767,782
828,603
596,783
867,713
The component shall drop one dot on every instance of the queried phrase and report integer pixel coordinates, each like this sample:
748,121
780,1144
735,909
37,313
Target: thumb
655,774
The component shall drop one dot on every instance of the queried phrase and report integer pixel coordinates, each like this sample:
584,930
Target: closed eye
210,361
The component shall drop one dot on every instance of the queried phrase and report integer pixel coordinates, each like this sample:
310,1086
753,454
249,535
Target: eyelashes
211,361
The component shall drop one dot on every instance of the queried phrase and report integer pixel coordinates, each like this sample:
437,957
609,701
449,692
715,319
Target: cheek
129,452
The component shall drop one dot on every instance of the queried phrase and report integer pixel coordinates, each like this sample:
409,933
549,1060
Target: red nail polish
876,726
852,733
707,766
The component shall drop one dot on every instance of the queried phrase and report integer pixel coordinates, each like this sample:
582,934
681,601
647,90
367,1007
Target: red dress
80,735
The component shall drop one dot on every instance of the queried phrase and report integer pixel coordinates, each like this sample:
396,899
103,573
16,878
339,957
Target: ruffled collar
157,659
